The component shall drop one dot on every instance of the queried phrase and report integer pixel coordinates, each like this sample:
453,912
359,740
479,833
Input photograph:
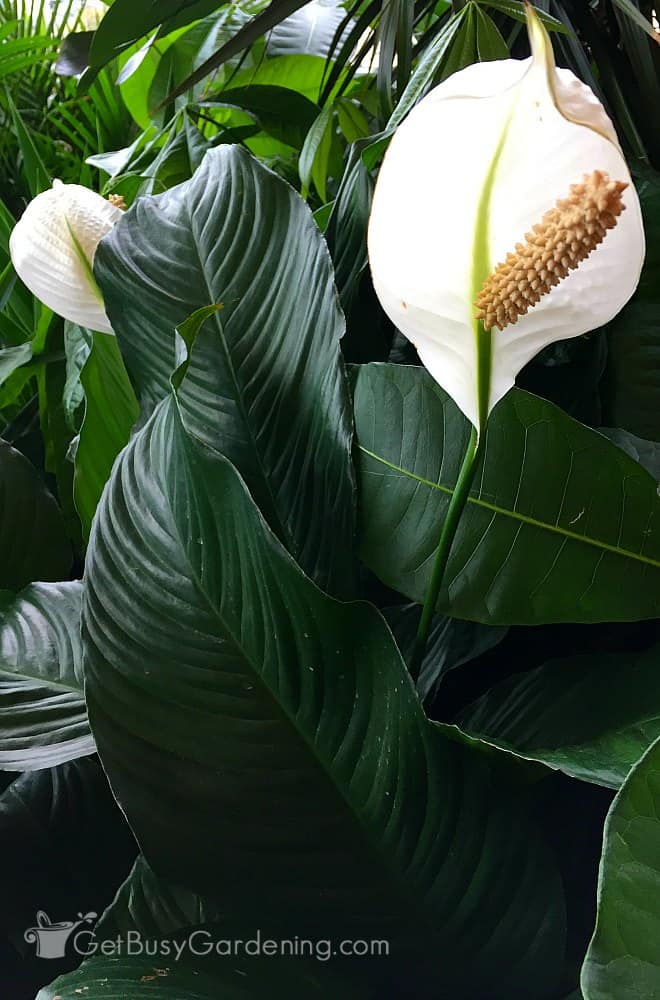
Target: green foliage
623,960
241,524
585,548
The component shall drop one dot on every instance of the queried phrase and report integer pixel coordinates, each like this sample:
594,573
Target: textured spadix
477,167
52,249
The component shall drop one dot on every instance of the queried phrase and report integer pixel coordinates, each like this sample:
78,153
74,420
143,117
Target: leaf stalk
449,528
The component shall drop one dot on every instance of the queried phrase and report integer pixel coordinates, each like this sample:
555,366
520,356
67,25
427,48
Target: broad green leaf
282,112
560,525
311,30
12,358
631,387
73,55
647,453
591,717
237,706
159,911
623,960
66,845
129,20
33,543
77,345
313,162
304,74
255,28
42,707
141,978
490,44
346,231
270,390
110,412
451,643
153,907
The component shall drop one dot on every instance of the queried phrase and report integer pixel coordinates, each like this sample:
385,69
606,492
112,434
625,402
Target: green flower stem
447,535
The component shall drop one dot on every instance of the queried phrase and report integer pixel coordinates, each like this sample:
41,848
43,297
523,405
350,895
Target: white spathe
531,131
52,249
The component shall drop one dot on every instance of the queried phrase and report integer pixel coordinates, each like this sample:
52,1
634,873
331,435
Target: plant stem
456,505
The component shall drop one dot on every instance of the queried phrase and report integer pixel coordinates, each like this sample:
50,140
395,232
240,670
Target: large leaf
451,643
268,747
142,978
631,388
591,717
42,706
128,20
33,543
66,846
561,525
160,912
270,390
311,29
110,411
623,961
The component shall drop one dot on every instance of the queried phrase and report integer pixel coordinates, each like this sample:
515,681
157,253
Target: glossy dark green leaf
69,847
270,390
139,978
311,30
274,13
33,543
451,643
12,358
647,453
154,907
142,978
591,717
111,409
315,153
623,960
631,388
129,20
560,525
346,231
282,112
490,44
73,57
43,719
274,733
159,911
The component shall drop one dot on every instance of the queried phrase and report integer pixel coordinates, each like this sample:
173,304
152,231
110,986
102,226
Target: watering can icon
51,939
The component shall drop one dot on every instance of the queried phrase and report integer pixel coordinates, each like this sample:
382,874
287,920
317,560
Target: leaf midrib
372,847
279,526
517,516
39,682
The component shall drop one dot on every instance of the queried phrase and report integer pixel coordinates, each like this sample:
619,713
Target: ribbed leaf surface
561,525
33,542
623,960
271,393
43,719
267,744
590,716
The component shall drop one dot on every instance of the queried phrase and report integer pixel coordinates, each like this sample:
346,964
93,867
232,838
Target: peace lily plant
534,234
